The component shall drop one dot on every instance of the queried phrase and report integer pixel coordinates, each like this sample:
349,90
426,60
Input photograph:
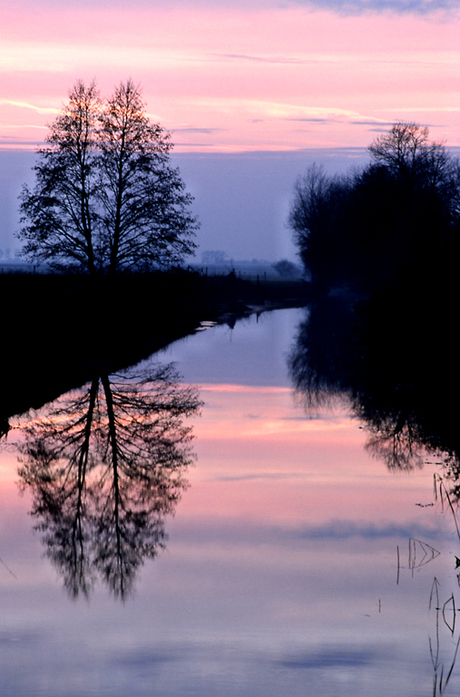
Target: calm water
294,562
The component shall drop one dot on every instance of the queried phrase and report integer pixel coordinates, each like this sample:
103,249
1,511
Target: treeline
389,234
398,218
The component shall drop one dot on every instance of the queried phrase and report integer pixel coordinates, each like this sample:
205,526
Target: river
281,557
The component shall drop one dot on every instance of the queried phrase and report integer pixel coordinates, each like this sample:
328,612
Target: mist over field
241,199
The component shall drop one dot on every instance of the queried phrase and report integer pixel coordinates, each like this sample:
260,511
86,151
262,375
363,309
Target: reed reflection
399,380
106,464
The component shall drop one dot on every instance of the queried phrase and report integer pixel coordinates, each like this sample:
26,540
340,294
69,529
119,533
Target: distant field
16,267
247,270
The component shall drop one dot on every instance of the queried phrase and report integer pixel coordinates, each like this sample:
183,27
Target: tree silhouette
316,219
407,154
398,217
105,465
106,197
286,268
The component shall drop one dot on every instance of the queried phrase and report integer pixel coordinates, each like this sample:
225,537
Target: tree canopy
106,197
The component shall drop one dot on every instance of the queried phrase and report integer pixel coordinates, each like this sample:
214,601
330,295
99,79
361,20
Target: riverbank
58,330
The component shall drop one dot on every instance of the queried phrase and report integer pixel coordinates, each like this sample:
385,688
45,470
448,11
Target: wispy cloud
195,129
423,7
328,115
402,7
272,59
26,105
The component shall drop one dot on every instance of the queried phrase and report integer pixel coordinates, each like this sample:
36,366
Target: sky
244,87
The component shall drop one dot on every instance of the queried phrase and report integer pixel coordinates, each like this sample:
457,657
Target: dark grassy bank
57,330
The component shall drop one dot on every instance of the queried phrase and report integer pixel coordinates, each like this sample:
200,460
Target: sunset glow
233,78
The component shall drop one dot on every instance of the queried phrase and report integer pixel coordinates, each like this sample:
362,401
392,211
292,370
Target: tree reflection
105,465
382,356
398,377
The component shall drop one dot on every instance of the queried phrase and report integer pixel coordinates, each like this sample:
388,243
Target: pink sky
237,77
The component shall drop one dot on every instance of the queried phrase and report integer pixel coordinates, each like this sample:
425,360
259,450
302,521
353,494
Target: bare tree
144,208
61,210
106,197
408,154
315,217
286,268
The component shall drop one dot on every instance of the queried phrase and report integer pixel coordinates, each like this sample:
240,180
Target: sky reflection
288,570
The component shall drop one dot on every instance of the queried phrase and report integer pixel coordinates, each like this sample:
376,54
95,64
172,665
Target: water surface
292,562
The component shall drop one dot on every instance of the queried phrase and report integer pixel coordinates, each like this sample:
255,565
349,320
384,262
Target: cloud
343,7
402,7
327,117
270,60
26,105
